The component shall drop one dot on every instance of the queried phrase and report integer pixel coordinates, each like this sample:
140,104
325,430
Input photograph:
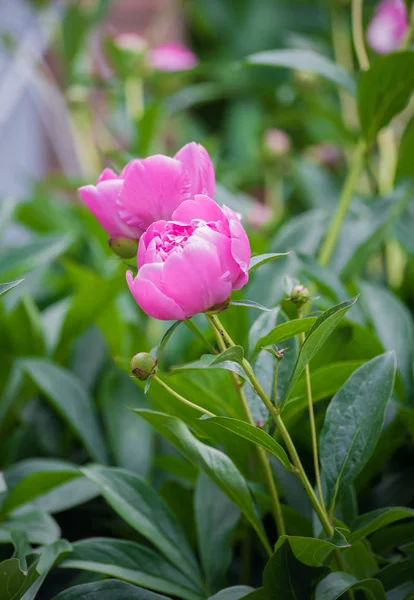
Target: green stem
181,398
277,367
134,97
313,428
330,241
358,33
194,329
276,506
283,432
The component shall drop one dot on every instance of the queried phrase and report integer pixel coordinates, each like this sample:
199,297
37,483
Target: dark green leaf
353,423
216,517
366,524
253,434
285,331
261,259
305,60
22,547
232,593
69,397
156,352
108,590
384,91
5,287
319,333
131,562
141,507
13,581
212,462
336,584
312,552
40,528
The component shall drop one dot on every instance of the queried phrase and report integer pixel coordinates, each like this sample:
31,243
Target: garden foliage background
91,491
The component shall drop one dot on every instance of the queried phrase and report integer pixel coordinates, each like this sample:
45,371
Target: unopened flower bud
279,353
143,365
299,294
131,42
277,143
123,247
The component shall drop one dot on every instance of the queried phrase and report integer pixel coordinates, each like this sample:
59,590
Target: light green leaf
252,304
384,91
319,333
366,524
45,249
110,589
216,518
131,562
156,351
71,400
253,434
141,507
229,360
5,287
262,259
305,60
40,528
337,584
212,462
353,423
285,331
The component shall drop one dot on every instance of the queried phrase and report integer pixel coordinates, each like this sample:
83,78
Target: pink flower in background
132,42
259,215
148,190
191,263
388,26
172,57
277,142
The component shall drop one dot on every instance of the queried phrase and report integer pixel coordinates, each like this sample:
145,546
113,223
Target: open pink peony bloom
172,57
148,190
191,263
388,26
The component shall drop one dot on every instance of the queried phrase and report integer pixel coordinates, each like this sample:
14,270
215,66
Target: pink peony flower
148,190
172,57
191,263
259,215
277,142
388,26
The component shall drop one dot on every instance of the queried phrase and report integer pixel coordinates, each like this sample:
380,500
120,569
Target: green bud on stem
143,365
123,247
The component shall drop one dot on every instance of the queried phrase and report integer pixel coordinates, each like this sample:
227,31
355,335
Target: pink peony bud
148,190
191,263
388,26
277,142
172,57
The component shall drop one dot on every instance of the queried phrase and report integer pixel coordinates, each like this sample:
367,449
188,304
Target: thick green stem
358,33
323,517
276,506
330,241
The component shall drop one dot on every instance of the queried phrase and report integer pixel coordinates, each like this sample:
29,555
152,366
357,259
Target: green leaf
22,547
337,584
319,333
252,304
23,259
216,518
262,259
40,528
285,331
305,60
232,593
156,351
353,423
384,91
107,590
71,400
229,360
5,287
212,462
253,434
131,562
366,524
141,507
312,552
394,327
13,581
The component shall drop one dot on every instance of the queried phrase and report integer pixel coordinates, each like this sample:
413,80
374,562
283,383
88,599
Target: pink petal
195,279
199,167
153,188
153,231
388,27
106,175
240,247
101,201
202,207
172,57
152,301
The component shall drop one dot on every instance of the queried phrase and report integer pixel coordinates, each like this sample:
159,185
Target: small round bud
277,143
143,365
279,352
123,247
299,294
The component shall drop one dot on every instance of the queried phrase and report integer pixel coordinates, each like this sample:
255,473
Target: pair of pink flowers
171,56
191,252
388,27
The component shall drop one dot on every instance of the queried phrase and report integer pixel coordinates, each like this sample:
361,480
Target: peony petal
106,175
172,57
388,27
240,247
101,201
153,188
152,232
195,278
152,301
202,207
199,167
